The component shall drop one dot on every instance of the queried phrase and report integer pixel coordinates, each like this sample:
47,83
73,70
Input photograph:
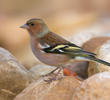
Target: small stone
13,76
62,89
96,87
40,70
103,52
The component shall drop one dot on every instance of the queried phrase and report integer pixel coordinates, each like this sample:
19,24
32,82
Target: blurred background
65,17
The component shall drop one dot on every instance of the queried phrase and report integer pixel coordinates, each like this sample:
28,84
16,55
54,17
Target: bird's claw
53,78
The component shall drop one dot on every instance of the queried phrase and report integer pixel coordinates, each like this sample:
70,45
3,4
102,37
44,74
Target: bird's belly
52,59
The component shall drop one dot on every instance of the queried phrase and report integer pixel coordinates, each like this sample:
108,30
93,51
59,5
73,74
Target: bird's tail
99,60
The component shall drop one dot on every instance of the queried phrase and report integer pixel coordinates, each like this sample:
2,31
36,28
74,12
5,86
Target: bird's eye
32,24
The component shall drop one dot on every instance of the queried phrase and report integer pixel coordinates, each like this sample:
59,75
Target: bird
54,50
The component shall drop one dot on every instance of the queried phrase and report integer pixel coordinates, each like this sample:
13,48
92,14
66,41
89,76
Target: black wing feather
64,49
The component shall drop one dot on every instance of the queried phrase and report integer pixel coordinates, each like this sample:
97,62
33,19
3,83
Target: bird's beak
24,26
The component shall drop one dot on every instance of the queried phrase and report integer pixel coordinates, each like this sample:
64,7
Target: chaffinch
52,49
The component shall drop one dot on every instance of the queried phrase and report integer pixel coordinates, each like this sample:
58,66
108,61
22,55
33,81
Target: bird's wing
68,49
59,45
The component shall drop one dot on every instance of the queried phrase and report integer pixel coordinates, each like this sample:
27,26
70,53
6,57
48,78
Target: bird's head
36,27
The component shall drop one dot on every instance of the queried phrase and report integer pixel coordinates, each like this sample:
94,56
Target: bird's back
53,39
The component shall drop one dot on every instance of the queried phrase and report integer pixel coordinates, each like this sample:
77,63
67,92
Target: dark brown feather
53,39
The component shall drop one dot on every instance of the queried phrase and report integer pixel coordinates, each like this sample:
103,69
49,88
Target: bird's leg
51,72
55,76
60,68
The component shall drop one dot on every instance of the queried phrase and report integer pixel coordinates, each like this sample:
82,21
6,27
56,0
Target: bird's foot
53,78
